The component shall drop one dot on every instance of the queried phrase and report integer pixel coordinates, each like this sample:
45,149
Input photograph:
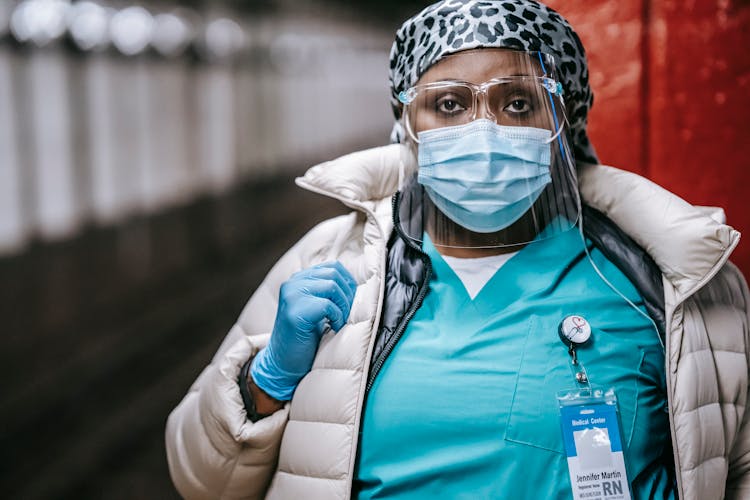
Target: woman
434,341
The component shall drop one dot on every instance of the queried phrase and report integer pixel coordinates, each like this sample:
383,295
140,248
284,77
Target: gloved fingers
334,271
328,289
305,304
346,275
333,313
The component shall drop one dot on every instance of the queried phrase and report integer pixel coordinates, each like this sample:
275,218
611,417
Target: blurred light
172,34
131,30
89,25
295,53
224,38
40,21
286,54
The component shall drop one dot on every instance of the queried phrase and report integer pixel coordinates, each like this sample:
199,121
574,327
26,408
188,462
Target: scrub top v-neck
465,407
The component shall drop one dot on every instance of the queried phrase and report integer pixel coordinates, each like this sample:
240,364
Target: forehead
480,65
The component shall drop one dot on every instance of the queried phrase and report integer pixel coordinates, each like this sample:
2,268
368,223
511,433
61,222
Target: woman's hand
310,302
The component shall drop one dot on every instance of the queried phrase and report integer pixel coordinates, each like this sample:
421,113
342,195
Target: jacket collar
688,243
358,178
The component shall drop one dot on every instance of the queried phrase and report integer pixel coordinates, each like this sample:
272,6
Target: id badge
593,444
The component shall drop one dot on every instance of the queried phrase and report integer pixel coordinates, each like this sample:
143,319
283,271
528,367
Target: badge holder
590,427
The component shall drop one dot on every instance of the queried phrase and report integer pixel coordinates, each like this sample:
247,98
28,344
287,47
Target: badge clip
575,331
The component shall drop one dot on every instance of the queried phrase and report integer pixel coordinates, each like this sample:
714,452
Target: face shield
491,163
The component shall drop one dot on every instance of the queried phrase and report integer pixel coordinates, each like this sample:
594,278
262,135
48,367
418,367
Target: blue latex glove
310,302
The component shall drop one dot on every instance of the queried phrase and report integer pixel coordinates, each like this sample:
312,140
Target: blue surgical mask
482,175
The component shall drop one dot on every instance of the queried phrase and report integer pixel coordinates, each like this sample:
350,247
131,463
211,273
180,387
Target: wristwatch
244,381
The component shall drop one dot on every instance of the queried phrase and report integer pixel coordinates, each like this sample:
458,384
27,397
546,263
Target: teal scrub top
465,406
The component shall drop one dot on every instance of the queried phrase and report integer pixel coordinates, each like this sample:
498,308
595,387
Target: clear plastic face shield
490,163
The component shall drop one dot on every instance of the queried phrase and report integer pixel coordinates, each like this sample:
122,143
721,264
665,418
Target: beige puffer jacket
308,449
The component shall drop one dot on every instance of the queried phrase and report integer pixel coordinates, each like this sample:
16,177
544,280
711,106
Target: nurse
494,207
499,317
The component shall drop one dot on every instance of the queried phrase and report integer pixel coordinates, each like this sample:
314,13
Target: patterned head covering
451,26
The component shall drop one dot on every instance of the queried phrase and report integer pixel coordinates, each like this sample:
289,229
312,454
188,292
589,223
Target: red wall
672,95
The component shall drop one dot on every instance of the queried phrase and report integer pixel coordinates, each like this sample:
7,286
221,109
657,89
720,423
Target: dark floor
102,336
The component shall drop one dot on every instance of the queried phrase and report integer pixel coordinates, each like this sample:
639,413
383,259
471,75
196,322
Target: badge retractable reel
590,426
575,331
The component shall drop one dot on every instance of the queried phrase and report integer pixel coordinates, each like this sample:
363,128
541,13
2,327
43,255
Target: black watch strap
247,397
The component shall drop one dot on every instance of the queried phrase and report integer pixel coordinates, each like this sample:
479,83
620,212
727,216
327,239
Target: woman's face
516,102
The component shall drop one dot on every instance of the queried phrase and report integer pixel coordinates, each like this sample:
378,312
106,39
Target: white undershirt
475,272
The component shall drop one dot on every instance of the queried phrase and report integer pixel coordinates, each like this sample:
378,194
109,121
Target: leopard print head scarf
451,26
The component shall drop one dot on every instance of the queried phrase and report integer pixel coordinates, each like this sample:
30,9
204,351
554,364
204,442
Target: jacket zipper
414,306
396,335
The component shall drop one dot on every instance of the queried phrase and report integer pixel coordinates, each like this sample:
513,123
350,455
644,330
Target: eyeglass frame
553,87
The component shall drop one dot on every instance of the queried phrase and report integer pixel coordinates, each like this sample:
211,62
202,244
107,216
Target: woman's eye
518,106
449,106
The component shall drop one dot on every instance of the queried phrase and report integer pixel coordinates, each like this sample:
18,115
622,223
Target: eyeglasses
528,101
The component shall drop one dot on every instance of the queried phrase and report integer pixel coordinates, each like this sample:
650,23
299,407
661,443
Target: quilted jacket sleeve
738,480
213,450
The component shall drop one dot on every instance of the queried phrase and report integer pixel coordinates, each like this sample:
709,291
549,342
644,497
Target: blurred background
147,157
